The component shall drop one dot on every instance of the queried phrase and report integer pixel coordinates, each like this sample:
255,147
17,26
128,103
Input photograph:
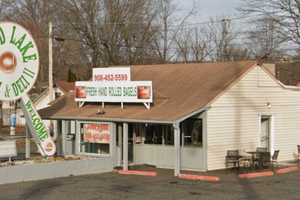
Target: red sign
96,133
144,92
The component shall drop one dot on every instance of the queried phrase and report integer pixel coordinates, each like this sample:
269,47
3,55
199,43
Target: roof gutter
111,120
131,120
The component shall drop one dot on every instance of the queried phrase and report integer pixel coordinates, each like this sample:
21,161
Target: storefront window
153,134
192,131
95,138
138,133
168,134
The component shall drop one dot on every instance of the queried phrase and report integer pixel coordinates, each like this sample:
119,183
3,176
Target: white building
199,112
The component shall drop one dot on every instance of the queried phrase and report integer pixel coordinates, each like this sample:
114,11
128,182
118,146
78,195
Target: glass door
265,131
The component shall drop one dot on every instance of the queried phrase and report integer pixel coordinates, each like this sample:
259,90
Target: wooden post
51,91
177,149
125,146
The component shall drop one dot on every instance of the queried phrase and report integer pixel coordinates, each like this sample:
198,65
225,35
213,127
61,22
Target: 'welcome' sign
37,126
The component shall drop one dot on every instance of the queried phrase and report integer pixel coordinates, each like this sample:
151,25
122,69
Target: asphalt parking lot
111,186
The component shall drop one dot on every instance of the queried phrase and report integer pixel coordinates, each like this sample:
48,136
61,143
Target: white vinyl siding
233,119
163,156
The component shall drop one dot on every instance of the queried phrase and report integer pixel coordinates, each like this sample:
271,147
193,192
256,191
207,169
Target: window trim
183,136
78,135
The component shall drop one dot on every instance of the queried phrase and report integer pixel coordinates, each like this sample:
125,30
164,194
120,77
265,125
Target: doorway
265,131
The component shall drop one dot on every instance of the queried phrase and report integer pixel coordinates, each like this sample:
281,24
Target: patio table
254,155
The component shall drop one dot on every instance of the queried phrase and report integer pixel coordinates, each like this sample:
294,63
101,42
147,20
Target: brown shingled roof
179,90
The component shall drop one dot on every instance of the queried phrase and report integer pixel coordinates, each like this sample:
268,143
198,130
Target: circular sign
19,61
48,146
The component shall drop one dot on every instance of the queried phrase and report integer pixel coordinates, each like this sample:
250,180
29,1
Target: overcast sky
210,8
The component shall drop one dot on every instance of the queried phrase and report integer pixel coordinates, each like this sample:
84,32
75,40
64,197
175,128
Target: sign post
19,67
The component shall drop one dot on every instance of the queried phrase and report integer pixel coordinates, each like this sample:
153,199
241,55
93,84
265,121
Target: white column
120,145
125,146
113,146
63,137
77,138
27,143
177,149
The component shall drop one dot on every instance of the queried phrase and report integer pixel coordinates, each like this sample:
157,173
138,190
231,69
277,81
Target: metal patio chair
274,158
265,159
232,158
262,159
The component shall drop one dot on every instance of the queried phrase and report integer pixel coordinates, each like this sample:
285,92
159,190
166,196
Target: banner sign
19,61
131,91
97,133
111,74
37,127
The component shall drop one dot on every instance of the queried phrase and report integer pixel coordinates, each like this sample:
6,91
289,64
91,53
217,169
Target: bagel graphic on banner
19,67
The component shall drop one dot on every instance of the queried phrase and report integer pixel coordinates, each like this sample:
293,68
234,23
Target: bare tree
202,45
134,29
112,32
222,38
183,46
264,38
170,27
194,45
34,15
285,13
213,41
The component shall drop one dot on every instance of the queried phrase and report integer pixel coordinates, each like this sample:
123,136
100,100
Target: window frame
78,143
163,129
184,135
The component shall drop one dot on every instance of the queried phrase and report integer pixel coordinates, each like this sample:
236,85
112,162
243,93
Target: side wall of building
233,121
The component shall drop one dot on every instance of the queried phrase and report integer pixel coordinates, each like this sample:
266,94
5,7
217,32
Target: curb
256,174
199,177
287,170
135,172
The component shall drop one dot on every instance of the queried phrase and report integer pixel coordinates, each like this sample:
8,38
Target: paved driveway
113,186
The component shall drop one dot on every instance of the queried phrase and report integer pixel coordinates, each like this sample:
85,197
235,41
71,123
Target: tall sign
19,67
19,61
